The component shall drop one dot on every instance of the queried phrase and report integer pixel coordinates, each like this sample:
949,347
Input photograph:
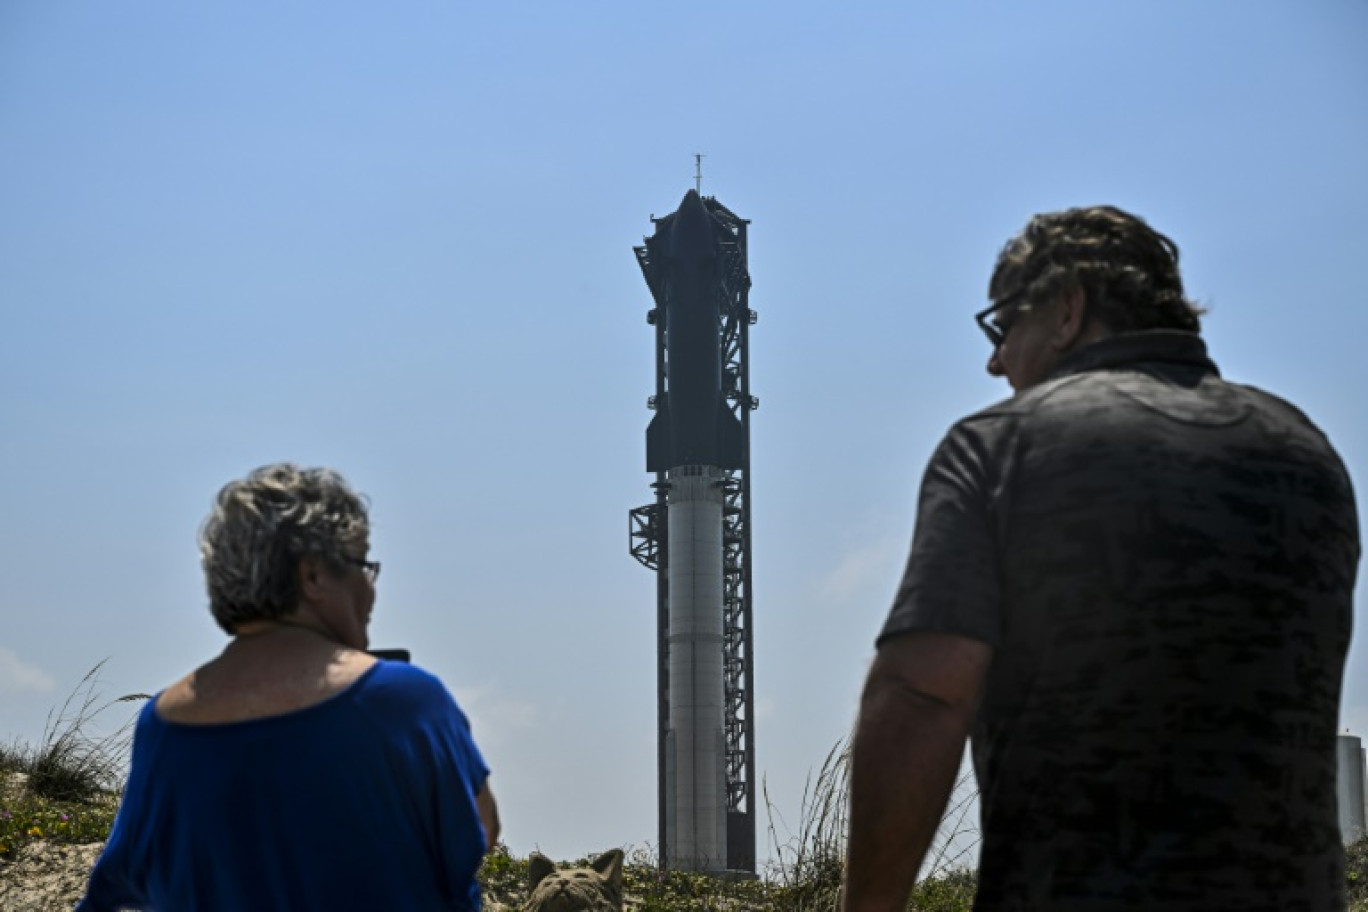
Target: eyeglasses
371,568
997,329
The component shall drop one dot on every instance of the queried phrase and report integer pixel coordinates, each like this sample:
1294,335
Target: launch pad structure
696,535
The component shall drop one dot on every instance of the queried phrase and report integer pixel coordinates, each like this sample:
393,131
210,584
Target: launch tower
696,536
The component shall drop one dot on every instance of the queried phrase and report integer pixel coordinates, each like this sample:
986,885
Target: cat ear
538,868
609,864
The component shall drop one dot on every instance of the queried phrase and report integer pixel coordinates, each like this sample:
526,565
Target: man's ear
1071,319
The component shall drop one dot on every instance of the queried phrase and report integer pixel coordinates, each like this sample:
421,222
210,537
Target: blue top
363,801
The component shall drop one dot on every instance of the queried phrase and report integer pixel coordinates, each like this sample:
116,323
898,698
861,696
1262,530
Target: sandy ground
46,876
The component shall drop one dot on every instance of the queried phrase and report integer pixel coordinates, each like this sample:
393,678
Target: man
1132,583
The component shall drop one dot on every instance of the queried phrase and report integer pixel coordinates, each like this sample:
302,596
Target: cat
597,888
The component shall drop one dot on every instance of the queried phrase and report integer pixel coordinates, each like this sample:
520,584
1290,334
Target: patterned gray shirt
1163,563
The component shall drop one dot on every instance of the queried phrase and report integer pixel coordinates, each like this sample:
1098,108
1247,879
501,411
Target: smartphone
394,655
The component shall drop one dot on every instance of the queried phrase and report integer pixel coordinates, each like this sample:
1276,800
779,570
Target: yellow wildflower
35,831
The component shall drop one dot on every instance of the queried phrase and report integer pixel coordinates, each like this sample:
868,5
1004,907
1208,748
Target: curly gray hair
262,526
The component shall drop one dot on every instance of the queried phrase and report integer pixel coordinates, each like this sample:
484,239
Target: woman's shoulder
250,686
401,690
403,680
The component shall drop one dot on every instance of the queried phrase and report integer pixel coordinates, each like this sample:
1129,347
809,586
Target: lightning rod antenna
698,173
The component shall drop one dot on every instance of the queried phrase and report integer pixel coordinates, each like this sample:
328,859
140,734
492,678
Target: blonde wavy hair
262,526
1127,270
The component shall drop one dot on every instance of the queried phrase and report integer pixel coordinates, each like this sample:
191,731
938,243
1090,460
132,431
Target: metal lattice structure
648,540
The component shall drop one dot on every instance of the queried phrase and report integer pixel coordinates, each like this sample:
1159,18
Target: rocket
692,443
693,425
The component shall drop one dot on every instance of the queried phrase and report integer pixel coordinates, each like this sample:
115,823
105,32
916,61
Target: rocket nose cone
691,235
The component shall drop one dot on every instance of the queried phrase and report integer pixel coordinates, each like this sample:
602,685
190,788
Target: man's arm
918,705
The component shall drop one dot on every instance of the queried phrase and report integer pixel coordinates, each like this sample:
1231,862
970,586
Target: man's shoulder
1006,415
1276,406
1099,390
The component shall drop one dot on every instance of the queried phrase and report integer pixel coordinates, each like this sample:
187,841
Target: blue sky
396,239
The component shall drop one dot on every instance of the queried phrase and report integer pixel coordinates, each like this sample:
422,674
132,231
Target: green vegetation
65,788
26,817
504,880
1356,873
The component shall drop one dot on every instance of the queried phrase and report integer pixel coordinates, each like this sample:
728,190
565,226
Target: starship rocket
693,425
694,444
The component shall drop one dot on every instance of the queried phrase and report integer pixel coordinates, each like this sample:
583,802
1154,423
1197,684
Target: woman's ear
309,575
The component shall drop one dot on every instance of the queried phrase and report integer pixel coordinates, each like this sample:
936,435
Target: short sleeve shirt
1163,563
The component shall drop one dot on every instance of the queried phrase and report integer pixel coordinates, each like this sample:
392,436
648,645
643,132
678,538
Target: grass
66,790
809,866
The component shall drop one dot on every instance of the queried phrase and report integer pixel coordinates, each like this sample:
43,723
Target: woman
295,771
